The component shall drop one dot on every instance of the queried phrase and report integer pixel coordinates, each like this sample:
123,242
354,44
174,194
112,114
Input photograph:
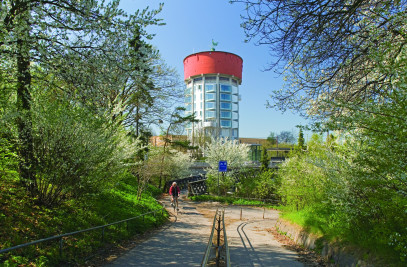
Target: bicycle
174,204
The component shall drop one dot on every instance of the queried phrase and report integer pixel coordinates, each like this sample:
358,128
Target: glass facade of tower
214,99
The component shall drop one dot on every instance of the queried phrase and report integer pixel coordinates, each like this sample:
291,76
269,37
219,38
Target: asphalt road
183,242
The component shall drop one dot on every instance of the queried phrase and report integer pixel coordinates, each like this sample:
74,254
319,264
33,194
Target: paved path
183,242
250,244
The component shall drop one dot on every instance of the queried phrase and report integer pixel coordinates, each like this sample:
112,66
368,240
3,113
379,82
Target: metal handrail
209,246
206,258
225,240
74,233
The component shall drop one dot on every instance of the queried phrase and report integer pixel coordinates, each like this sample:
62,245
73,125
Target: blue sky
190,27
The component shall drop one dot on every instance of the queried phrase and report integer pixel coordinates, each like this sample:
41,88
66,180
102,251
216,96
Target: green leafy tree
43,37
272,139
265,160
301,140
78,153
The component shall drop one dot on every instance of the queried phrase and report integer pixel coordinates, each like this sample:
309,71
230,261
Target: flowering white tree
160,169
223,149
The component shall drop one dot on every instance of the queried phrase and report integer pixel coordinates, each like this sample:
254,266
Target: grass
233,201
23,221
326,225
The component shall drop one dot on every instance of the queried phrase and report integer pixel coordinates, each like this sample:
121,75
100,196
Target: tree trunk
24,120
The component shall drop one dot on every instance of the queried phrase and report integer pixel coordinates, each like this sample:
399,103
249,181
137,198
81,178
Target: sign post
223,167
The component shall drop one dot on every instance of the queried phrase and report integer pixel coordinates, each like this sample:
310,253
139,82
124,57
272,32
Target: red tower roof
213,62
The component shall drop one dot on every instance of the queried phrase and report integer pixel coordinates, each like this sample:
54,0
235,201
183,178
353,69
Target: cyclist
174,193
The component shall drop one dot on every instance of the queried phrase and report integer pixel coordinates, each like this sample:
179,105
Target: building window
225,123
210,87
210,114
234,90
198,79
210,105
234,132
225,105
210,79
226,114
223,79
210,96
225,88
225,97
225,133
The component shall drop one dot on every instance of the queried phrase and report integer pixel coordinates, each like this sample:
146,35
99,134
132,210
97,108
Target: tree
264,159
326,49
345,66
286,137
222,149
47,35
301,140
272,139
177,119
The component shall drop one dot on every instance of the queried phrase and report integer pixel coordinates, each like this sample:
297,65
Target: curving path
183,242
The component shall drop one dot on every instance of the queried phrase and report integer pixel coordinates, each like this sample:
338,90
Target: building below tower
212,93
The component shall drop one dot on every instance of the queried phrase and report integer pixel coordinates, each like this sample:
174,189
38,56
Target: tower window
210,114
210,105
225,88
225,105
225,97
210,88
226,114
210,96
225,123
210,78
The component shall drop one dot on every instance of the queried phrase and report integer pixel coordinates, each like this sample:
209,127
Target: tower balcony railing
209,124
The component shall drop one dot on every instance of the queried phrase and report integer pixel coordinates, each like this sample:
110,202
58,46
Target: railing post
218,242
61,241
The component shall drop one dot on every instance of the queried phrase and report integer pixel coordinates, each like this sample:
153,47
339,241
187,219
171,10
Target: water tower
212,81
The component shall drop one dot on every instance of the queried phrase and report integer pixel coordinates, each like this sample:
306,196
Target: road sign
223,166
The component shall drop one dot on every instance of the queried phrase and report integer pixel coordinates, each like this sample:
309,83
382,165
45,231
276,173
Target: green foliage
301,140
232,201
265,160
21,221
77,152
333,190
272,139
8,159
266,185
220,183
231,151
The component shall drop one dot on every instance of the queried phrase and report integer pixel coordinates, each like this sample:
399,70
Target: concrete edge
330,251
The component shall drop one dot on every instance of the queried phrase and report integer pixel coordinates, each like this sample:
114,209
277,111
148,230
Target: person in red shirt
174,193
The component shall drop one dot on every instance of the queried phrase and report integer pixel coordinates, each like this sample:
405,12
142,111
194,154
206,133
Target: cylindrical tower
212,81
